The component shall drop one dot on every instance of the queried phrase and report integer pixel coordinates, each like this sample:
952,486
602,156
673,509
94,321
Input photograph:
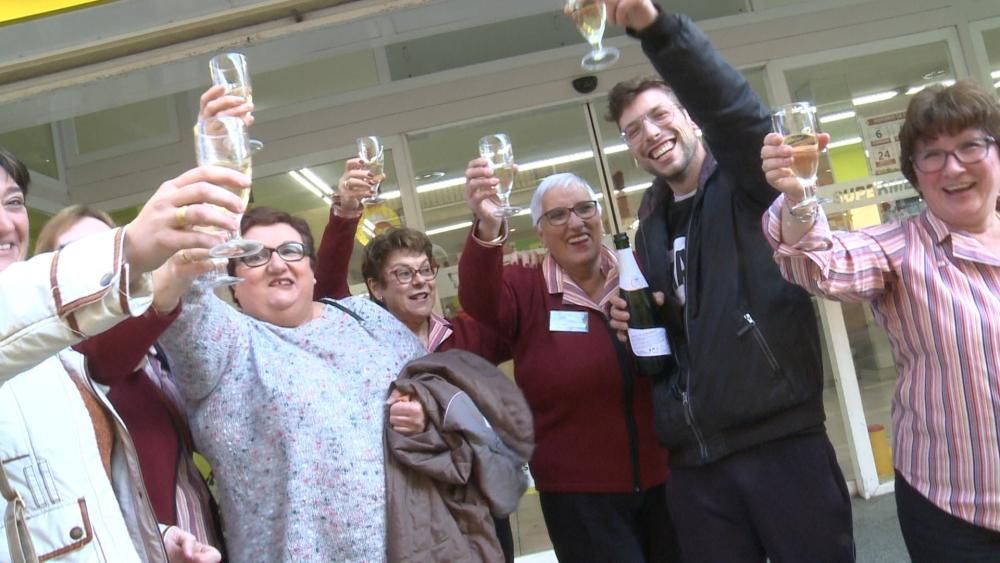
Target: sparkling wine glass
223,141
797,124
230,71
371,153
499,155
590,17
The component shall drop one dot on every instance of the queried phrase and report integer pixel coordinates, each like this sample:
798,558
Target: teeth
6,246
663,149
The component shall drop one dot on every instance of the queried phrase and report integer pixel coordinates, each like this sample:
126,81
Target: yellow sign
15,10
375,220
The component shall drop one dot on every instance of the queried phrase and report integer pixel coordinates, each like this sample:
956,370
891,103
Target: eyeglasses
288,251
969,152
660,116
405,274
560,215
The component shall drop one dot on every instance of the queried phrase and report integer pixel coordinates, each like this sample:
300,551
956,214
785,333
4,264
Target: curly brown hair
938,110
382,246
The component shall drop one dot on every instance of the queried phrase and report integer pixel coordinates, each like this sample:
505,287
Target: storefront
431,78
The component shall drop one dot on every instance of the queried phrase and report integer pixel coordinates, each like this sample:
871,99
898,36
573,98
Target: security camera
585,84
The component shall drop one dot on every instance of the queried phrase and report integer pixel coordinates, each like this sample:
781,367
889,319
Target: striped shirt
936,292
558,281
438,331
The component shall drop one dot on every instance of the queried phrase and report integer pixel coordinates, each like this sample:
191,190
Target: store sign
848,195
881,134
16,10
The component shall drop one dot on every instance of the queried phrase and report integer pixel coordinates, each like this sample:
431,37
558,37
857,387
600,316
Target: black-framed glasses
404,274
969,152
291,251
560,215
660,116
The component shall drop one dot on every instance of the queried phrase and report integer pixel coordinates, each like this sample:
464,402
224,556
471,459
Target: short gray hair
556,181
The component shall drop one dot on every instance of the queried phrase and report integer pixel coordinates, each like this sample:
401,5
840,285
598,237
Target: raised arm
841,265
335,250
732,118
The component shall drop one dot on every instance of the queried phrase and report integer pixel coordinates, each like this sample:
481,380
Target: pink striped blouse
937,294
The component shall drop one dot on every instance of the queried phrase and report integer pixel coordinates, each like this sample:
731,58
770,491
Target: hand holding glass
797,124
370,152
223,141
230,70
499,156
590,17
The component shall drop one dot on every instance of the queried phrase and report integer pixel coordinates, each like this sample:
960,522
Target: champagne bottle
646,333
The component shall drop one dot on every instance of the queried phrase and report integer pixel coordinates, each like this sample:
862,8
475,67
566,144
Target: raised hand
355,183
214,103
481,197
776,162
635,14
163,226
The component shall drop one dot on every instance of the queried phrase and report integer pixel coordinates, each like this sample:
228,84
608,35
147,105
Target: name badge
568,321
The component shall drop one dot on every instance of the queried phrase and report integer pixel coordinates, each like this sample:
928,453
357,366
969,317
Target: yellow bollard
881,451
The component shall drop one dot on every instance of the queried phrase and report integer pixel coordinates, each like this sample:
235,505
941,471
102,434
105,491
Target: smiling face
575,245
962,195
13,222
278,292
411,303
673,152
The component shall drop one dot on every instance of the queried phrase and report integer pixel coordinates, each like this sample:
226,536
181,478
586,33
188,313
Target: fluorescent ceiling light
914,89
446,228
637,187
306,184
316,180
844,142
839,116
876,97
996,84
995,74
614,149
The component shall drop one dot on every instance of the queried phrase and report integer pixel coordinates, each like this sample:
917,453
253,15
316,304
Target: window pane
34,147
304,192
544,142
125,125
992,40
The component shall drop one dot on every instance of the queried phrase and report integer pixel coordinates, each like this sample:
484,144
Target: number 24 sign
881,135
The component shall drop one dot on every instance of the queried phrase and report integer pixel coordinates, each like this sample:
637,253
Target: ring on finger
180,217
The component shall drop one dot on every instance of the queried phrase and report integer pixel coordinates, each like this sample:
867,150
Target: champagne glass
499,155
371,153
797,124
590,17
230,71
223,141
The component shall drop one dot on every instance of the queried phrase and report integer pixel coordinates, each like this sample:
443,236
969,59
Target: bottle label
649,342
630,276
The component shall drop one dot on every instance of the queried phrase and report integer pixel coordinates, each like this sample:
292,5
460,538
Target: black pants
785,500
606,528
932,535
506,537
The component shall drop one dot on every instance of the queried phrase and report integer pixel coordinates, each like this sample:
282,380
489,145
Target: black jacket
742,382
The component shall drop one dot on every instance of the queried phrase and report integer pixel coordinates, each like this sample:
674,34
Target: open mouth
281,282
661,149
5,247
579,239
959,189
420,296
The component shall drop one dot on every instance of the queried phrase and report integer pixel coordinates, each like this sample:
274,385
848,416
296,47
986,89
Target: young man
754,475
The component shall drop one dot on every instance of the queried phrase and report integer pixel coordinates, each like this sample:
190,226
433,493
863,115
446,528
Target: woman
125,359
401,274
70,476
286,399
933,281
597,467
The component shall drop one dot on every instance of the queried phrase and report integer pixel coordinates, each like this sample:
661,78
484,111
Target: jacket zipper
688,411
751,325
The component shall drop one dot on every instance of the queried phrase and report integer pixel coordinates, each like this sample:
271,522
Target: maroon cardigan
572,381
112,357
334,258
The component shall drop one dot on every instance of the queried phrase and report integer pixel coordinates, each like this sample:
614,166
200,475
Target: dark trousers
610,528
785,500
506,537
932,535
